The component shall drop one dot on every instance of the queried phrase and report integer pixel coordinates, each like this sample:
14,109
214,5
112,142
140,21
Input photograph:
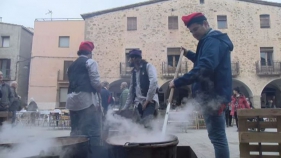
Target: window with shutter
131,23
173,55
222,21
173,22
264,21
5,65
63,41
65,68
5,41
266,54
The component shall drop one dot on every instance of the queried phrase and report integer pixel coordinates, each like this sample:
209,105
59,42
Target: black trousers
87,122
228,118
236,118
146,115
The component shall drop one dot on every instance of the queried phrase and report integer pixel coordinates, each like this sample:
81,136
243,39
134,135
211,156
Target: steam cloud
25,141
137,132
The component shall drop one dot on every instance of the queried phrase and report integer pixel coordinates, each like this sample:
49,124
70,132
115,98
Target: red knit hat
86,46
192,18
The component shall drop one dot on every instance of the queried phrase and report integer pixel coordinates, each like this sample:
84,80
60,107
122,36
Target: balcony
168,71
272,68
125,70
62,77
6,74
235,69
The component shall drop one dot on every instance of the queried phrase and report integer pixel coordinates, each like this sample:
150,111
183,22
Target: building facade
55,46
15,56
156,28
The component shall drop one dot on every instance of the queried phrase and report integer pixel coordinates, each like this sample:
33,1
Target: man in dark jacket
105,96
83,98
210,77
7,96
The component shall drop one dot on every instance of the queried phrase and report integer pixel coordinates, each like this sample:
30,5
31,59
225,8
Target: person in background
124,94
105,96
270,104
250,103
238,102
16,101
32,106
7,96
263,105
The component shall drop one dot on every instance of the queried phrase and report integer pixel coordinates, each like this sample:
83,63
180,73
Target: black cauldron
127,147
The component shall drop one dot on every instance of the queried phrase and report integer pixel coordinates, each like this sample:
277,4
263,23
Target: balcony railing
169,71
6,74
62,77
125,70
235,69
272,68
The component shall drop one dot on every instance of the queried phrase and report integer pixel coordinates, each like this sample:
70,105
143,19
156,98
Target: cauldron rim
85,139
173,141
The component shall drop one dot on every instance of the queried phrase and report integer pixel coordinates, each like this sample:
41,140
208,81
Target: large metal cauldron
63,147
140,149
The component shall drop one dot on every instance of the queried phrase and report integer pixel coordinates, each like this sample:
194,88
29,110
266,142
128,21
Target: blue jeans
216,131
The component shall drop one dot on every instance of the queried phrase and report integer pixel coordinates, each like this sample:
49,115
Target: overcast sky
24,12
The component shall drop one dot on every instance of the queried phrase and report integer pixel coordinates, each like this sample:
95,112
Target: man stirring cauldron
142,91
82,99
210,76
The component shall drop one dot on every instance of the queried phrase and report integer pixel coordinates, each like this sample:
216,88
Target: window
64,41
65,68
222,21
62,97
173,56
5,41
173,22
265,21
202,2
127,55
266,54
131,23
5,67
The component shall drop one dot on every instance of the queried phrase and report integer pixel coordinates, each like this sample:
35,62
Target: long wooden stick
171,96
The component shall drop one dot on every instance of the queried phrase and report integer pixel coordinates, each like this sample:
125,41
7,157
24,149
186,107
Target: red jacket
241,103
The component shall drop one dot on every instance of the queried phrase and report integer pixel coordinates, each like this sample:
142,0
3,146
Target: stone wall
110,35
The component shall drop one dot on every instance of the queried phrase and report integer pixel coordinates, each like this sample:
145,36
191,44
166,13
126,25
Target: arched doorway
179,94
244,89
271,92
114,88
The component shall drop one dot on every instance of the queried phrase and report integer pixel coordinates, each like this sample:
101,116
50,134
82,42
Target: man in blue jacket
210,77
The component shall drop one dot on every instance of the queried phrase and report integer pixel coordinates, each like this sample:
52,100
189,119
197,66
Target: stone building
15,55
55,46
156,28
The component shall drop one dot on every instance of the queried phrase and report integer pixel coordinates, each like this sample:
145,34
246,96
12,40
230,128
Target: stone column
256,101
